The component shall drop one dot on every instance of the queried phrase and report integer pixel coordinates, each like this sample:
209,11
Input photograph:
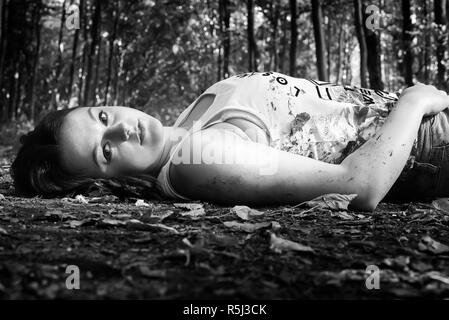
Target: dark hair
37,169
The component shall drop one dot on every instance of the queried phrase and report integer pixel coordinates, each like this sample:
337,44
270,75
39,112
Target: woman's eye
107,153
103,117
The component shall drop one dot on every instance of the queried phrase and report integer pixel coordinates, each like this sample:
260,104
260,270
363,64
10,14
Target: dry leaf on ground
247,227
429,244
81,199
161,215
195,210
434,275
245,213
441,204
333,201
135,224
142,203
189,206
3,231
342,215
278,245
112,222
194,214
58,215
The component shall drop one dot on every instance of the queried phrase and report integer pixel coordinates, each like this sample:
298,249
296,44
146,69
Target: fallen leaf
135,224
247,227
275,225
421,266
245,213
278,245
144,270
58,215
104,199
189,206
434,275
80,223
141,203
429,244
160,216
441,204
112,222
75,223
194,214
342,215
333,201
196,248
399,262
122,215
3,231
80,199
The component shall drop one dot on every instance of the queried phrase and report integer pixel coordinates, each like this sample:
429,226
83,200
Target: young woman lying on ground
256,139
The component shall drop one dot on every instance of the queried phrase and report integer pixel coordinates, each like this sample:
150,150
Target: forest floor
128,250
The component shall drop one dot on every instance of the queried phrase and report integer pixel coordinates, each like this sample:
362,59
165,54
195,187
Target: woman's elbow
364,204
367,199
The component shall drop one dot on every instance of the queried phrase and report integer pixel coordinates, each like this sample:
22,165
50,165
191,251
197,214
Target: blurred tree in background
159,55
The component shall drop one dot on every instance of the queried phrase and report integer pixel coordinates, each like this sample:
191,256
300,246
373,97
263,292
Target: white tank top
311,118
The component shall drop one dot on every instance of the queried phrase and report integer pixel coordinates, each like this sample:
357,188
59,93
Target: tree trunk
317,20
252,46
2,4
111,52
37,27
283,44
441,25
73,62
329,47
426,42
89,86
82,68
340,55
373,60
3,45
407,42
60,48
360,32
97,68
274,20
227,37
293,37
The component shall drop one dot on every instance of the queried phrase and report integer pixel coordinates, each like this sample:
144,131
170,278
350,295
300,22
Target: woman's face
110,141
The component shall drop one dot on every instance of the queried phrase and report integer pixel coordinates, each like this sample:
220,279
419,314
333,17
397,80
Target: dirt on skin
135,250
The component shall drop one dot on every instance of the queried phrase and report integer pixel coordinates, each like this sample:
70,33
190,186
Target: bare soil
160,251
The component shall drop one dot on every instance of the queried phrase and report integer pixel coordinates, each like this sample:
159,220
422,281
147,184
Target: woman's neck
168,142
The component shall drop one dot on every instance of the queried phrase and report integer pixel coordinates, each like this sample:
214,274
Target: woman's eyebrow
91,114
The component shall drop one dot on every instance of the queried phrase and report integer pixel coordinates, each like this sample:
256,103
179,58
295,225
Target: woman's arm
280,177
380,160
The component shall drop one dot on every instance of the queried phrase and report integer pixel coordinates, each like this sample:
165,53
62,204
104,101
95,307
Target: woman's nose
119,132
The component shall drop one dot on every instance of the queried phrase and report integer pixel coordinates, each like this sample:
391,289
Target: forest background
159,55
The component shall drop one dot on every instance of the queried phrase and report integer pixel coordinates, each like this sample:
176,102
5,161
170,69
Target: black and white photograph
237,151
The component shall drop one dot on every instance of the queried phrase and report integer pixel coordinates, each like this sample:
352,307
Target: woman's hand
427,97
